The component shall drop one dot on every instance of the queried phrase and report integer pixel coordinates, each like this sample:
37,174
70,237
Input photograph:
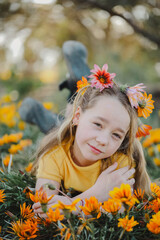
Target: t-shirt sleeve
49,168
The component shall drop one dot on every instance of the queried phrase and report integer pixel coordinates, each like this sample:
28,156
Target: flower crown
137,96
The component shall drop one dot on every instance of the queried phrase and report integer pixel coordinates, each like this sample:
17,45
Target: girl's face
100,130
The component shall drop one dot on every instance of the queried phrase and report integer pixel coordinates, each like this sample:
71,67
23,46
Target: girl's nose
103,139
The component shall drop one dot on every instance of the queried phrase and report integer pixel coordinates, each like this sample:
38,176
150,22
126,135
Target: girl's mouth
94,149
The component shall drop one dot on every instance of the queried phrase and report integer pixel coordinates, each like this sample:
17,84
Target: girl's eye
117,135
98,124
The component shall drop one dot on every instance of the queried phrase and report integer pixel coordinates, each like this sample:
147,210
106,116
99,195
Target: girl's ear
77,116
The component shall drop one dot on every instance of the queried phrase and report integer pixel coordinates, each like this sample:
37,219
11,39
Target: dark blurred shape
32,111
75,55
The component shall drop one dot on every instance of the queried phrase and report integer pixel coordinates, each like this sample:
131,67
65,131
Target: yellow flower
92,207
127,224
157,161
2,196
145,105
25,143
153,138
7,160
54,216
123,194
26,212
112,206
81,84
48,105
21,125
155,205
15,148
155,189
71,207
154,224
29,167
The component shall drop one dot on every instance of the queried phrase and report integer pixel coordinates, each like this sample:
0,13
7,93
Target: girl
95,149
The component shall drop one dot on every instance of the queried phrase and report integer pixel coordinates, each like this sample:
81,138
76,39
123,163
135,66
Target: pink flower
101,78
135,93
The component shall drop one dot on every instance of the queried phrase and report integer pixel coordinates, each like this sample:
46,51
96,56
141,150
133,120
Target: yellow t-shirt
58,165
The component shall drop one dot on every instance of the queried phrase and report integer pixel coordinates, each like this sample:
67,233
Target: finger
131,181
111,168
42,215
36,205
123,170
129,173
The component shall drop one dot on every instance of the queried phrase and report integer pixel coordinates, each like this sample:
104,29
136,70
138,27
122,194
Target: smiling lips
94,149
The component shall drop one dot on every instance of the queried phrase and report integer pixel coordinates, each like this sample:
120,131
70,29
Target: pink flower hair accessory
101,78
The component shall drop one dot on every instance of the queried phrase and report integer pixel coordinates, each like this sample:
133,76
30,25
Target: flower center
104,79
142,104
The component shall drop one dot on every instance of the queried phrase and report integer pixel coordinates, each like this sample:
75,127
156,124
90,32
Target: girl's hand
37,206
111,178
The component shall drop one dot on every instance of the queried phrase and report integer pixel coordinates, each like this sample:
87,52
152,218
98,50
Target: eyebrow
106,121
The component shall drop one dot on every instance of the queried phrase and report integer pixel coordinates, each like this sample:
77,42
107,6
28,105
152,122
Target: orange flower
7,160
92,207
155,189
54,216
127,224
27,190
145,105
155,205
29,167
40,196
25,143
112,206
64,207
123,194
26,212
25,230
157,161
2,196
143,130
154,224
14,148
82,83
139,194
21,125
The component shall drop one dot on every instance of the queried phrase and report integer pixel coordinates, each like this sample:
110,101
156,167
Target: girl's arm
107,180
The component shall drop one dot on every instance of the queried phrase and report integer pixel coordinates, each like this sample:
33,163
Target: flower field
91,220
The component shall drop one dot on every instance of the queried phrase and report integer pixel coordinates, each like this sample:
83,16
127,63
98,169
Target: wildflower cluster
123,216
152,146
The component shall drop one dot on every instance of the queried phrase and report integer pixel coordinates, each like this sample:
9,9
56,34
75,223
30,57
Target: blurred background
125,34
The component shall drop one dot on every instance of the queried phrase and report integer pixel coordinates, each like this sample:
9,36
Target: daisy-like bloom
145,107
124,194
66,207
143,130
139,194
155,205
112,206
101,78
25,230
54,216
82,83
2,196
85,224
127,224
153,138
26,212
155,189
92,207
154,224
41,196
134,93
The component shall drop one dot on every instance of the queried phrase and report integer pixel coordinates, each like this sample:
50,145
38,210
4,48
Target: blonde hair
86,98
